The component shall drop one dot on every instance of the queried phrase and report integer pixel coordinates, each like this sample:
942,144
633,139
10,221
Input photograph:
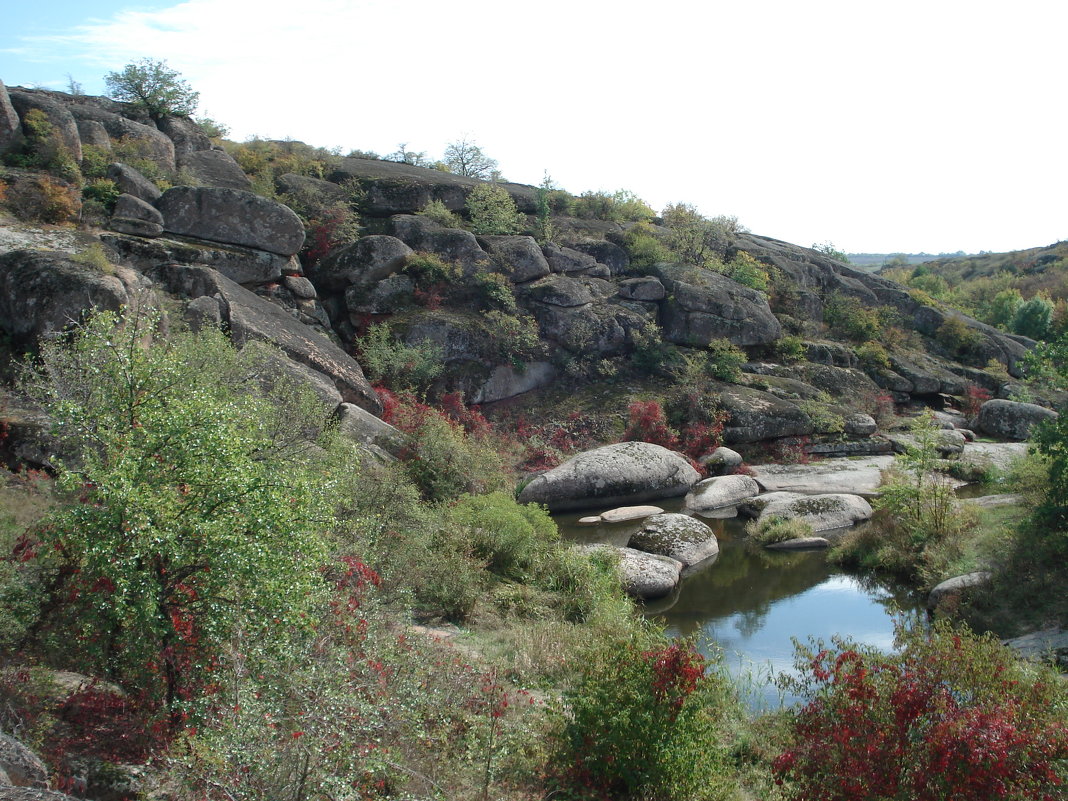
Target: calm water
751,603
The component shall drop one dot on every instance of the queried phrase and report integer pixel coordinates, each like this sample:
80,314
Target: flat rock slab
1002,499
752,507
1047,644
721,491
822,512
231,216
1000,454
854,476
800,544
620,473
624,514
681,537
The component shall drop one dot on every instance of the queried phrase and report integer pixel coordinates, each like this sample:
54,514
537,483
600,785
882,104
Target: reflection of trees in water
888,593
751,621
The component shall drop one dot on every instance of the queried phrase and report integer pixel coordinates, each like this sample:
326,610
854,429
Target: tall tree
467,159
154,87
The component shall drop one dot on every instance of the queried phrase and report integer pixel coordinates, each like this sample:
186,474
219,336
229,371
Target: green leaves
154,87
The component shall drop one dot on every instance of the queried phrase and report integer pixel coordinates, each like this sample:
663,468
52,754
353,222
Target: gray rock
703,305
64,127
568,260
306,187
757,415
721,460
800,544
625,514
367,261
860,425
607,253
954,587
215,168
506,381
32,794
646,288
950,443
681,537
203,313
242,265
251,318
43,292
828,476
557,290
752,507
132,182
628,472
151,143
593,329
300,286
10,127
517,257
233,217
1010,419
364,428
22,766
1001,499
279,367
648,576
1049,645
134,216
822,512
186,136
722,491
385,297
451,244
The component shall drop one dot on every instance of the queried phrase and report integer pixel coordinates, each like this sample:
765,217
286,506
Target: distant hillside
1036,269
871,262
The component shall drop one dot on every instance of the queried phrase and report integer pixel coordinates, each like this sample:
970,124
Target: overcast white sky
906,126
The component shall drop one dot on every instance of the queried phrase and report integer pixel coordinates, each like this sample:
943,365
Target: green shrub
492,291
747,271
643,720
42,198
850,318
428,269
94,255
103,191
436,211
790,349
652,355
1033,317
398,365
492,210
512,336
511,539
873,356
724,359
824,419
769,530
620,206
644,247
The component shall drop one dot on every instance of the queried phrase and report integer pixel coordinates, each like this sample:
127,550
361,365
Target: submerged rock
722,491
800,544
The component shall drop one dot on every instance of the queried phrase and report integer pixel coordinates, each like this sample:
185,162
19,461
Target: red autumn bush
974,398
950,716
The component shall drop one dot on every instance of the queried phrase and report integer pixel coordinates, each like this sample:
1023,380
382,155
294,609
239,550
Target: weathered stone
1049,645
607,253
589,520
32,794
949,442
625,514
506,381
151,143
1001,499
955,587
367,261
756,416
93,133
518,257
132,182
828,476
64,128
681,537
860,425
204,313
242,265
800,544
721,460
646,288
233,217
822,512
590,330
10,128
363,427
451,244
703,305
215,168
134,216
304,186
44,292
648,576
278,368
628,472
300,286
568,260
22,766
558,290
722,491
384,297
752,507
250,318
185,134
1010,419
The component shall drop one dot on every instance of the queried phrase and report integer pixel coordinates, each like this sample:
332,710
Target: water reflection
752,604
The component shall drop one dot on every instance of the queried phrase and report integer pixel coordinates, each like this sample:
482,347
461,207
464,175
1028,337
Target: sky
907,126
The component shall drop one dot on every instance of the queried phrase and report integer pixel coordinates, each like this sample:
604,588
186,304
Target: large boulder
64,128
505,381
646,576
23,767
863,475
132,182
625,473
365,262
1011,419
683,538
187,136
451,244
215,168
231,216
518,257
44,292
756,415
721,492
703,305
134,216
10,128
365,429
251,318
568,260
954,588
822,512
607,253
146,140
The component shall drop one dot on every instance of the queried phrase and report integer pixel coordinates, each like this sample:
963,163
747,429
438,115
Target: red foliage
647,423
547,444
470,417
974,398
676,671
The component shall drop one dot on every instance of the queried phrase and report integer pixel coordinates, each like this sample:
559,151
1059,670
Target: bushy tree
1033,317
467,158
492,210
154,87
696,239
194,513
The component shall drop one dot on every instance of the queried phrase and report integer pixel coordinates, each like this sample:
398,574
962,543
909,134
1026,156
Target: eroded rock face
23,767
215,168
10,128
43,292
366,261
152,143
134,216
250,317
518,257
822,512
451,244
64,127
757,415
644,575
703,305
132,182
680,537
625,473
231,216
1010,419
241,265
